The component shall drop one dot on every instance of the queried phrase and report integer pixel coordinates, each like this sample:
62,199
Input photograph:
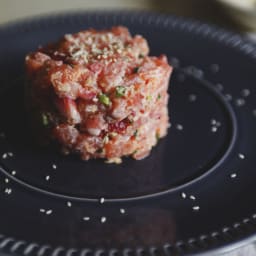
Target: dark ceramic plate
196,191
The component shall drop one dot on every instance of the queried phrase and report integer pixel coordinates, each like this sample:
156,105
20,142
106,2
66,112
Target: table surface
204,10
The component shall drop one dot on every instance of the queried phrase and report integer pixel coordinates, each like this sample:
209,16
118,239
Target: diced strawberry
119,127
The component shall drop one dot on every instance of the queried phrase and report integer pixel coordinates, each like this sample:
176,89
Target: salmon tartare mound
99,94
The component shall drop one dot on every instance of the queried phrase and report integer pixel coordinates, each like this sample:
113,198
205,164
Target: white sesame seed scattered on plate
48,212
245,92
213,121
192,197
228,97
198,73
183,195
86,218
10,154
4,156
192,97
103,219
54,166
42,210
218,124
240,102
102,200
179,127
69,204
8,191
214,129
254,112
13,173
47,177
196,208
219,87
241,156
122,211
6,180
233,175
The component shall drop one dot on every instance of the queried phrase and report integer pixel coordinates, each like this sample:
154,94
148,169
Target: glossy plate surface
194,193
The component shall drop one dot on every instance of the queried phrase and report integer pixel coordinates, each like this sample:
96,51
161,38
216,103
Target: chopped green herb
135,133
136,70
149,97
45,120
104,99
141,56
159,96
134,152
120,91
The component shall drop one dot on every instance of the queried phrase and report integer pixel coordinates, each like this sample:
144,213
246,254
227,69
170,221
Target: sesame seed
192,197
13,173
86,218
228,97
54,166
213,121
245,92
47,177
192,97
42,210
8,191
179,127
122,211
95,99
214,129
214,68
198,73
219,87
254,112
196,208
233,175
10,154
69,204
218,124
6,180
240,102
241,156
103,219
48,212
102,200
2,135
183,195
4,156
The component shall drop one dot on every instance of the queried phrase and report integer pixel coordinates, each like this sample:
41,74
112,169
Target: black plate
207,157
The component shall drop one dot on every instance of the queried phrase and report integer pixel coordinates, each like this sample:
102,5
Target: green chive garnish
45,120
104,99
120,91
